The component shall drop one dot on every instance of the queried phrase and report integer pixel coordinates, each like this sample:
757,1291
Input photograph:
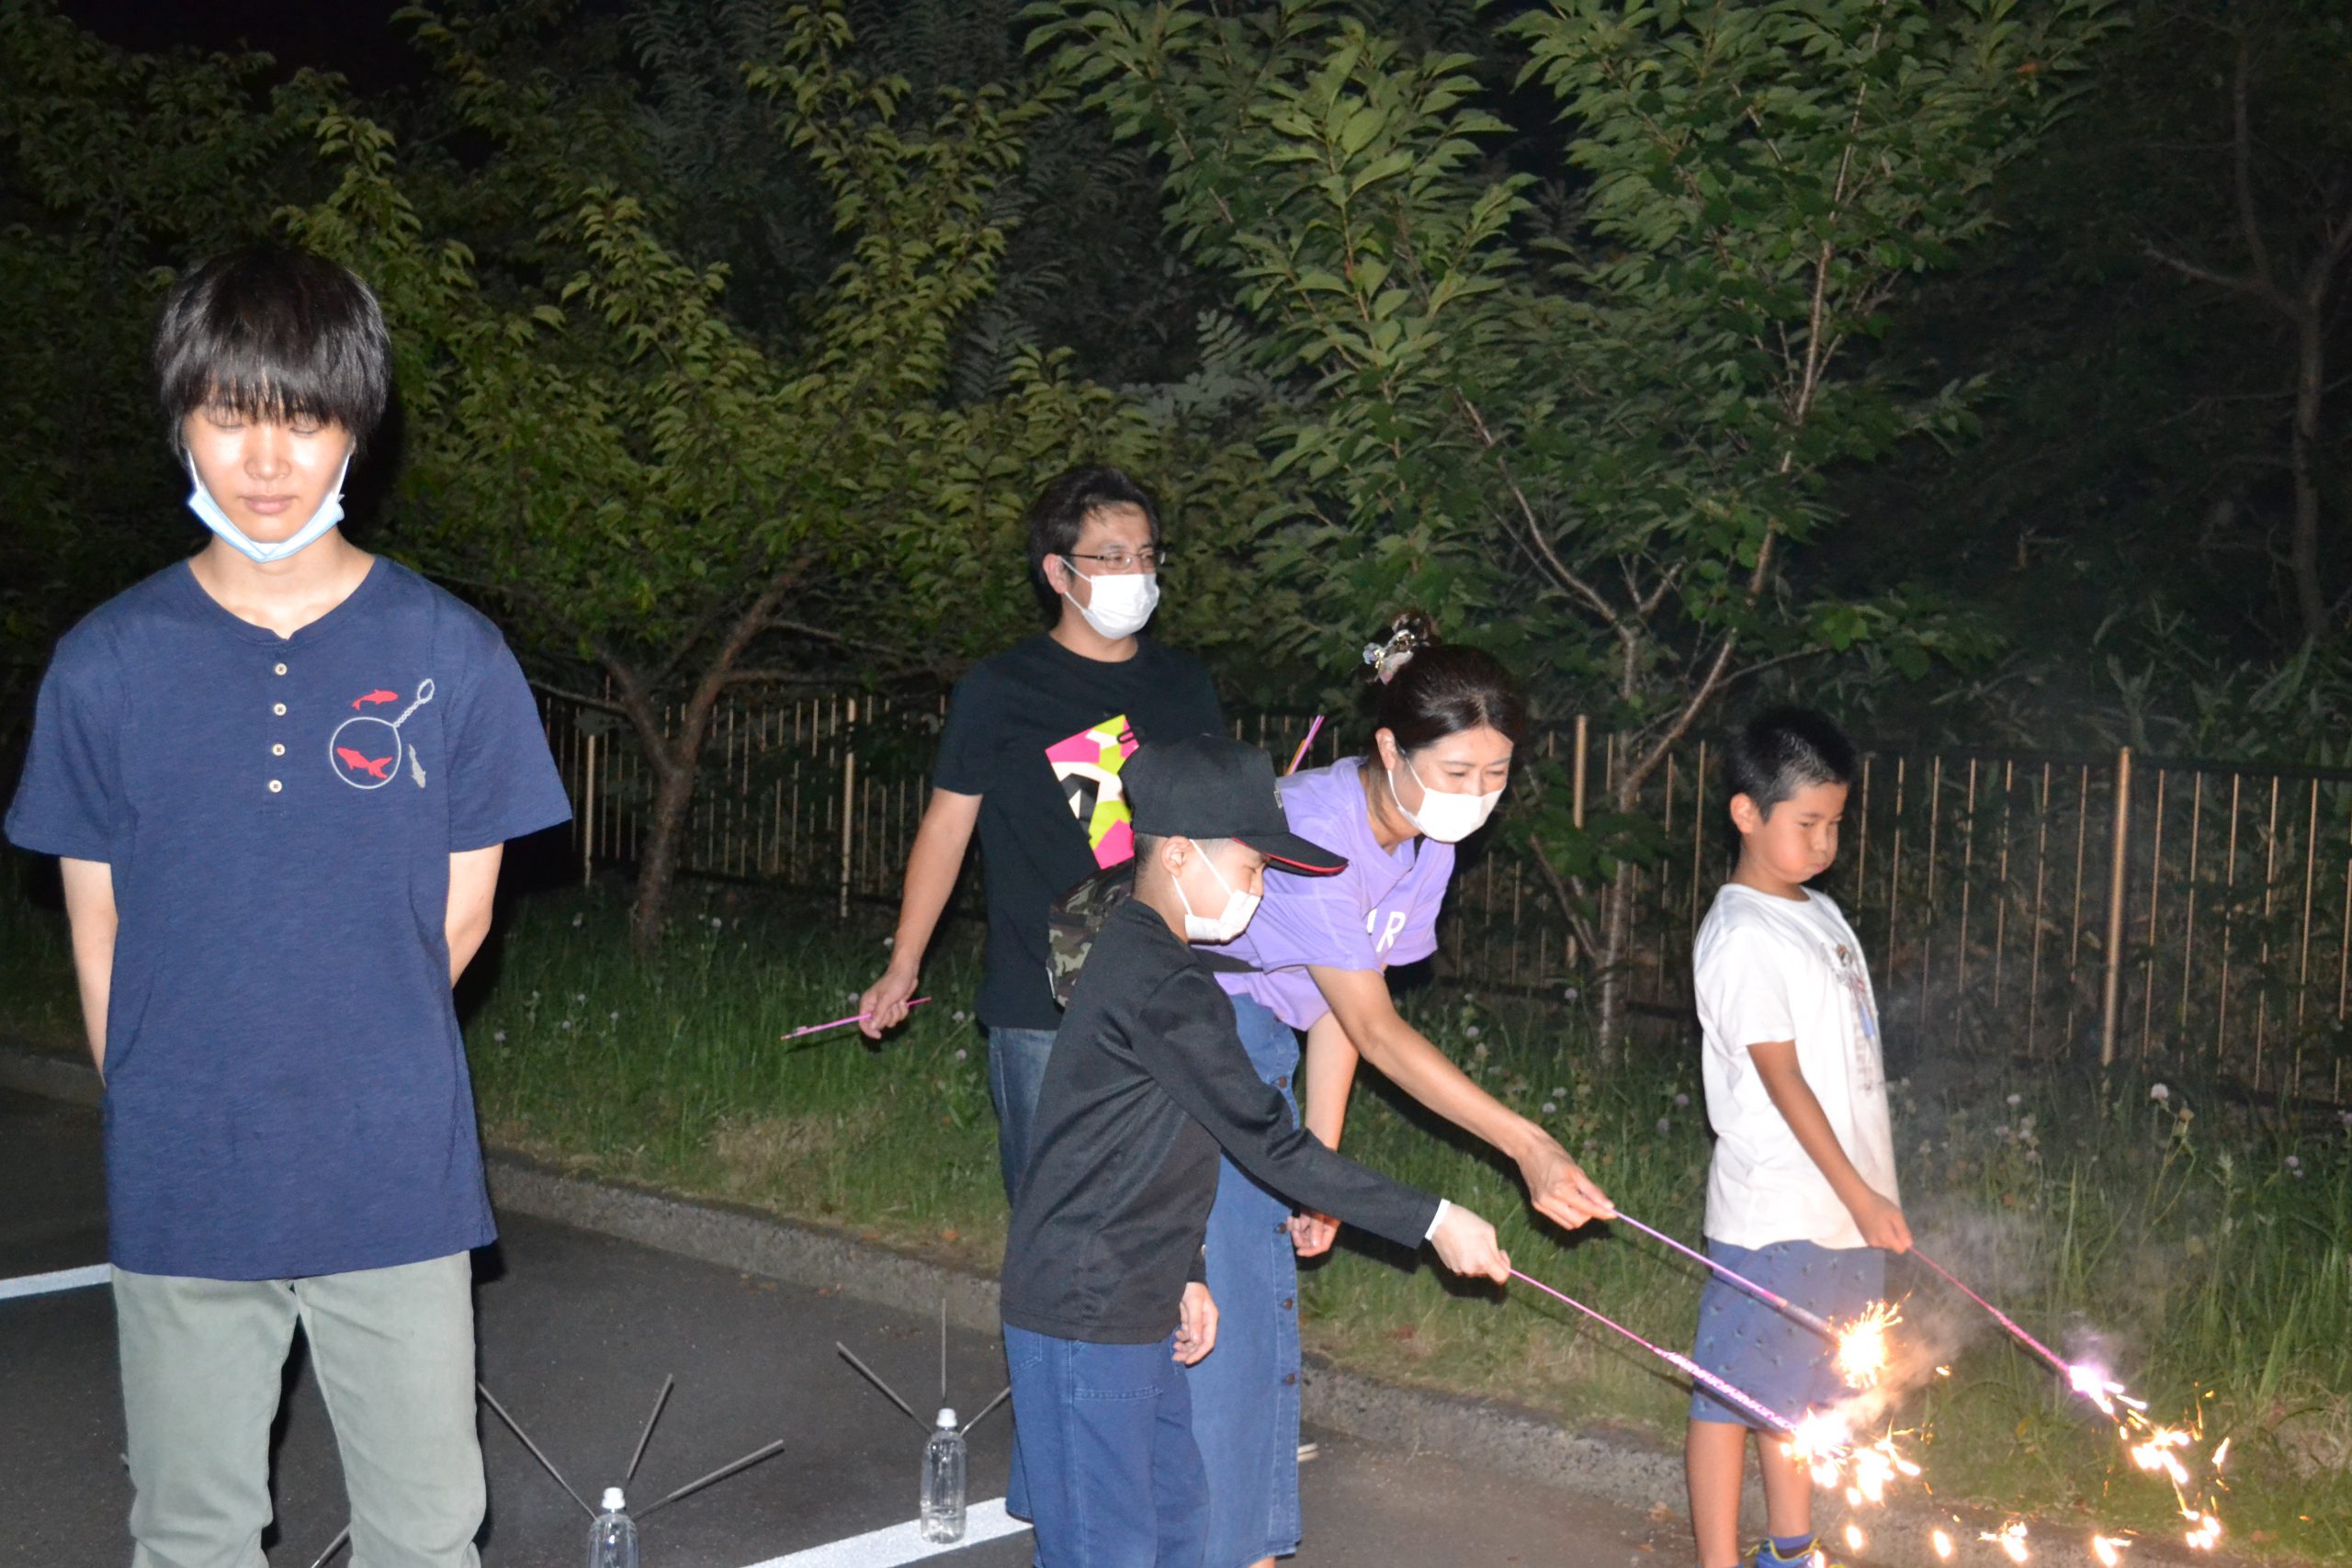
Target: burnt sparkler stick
2004,1319
645,1437
990,1405
1778,1303
334,1546
516,1428
876,1379
1682,1364
721,1473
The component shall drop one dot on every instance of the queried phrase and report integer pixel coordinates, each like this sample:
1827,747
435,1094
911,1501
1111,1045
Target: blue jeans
1104,1435
1016,1070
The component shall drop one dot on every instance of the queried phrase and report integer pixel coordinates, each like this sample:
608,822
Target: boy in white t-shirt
1802,1196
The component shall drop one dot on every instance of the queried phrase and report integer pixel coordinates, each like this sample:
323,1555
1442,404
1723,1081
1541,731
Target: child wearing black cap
1147,1081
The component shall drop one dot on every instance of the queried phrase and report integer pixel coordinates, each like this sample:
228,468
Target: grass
2203,1251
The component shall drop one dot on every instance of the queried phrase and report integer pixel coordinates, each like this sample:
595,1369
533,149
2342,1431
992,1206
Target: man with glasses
1031,756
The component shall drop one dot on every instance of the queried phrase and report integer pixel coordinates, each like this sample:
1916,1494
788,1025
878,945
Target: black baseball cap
1206,786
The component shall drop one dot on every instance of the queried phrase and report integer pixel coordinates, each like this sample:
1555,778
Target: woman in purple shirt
1447,721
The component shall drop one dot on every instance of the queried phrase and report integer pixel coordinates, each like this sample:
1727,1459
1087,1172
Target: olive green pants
393,1350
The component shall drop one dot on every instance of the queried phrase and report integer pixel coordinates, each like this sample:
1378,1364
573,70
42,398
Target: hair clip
1387,658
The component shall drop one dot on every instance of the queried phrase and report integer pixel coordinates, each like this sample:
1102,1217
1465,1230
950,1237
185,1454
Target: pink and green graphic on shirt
1087,766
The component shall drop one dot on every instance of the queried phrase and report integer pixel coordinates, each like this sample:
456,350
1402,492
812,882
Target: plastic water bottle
942,1482
612,1541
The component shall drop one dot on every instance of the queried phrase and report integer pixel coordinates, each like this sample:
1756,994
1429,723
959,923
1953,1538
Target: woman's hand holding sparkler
1558,1186
1467,1244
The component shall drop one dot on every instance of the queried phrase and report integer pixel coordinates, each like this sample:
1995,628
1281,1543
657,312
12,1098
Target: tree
1595,419
2291,207
666,504
110,165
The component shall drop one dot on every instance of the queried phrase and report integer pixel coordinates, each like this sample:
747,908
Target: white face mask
1238,908
1448,819
208,511
1122,601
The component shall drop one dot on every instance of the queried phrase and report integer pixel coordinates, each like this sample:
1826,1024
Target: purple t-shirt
1381,910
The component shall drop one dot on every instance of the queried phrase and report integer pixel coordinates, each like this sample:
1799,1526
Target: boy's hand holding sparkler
1875,1215
1467,1244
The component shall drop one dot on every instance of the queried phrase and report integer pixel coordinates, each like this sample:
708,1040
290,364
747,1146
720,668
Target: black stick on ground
516,1428
332,1547
876,1379
645,1437
721,1473
990,1405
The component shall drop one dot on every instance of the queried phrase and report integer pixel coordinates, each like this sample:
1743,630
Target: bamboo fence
2088,908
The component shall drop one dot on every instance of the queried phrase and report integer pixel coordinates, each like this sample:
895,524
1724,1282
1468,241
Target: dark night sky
351,37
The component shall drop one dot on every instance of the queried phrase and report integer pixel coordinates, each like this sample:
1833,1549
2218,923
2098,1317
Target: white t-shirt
1771,969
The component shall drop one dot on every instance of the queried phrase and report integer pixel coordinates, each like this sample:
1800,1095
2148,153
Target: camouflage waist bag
1078,916
1076,919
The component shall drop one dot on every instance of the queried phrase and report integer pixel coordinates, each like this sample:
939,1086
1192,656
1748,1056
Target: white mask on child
210,512
1448,819
1238,908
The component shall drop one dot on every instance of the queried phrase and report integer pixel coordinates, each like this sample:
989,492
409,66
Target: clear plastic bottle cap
614,1501
948,1420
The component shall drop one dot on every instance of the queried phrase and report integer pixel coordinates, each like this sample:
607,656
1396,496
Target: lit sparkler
2155,1448
1773,1299
1682,1364
1863,1350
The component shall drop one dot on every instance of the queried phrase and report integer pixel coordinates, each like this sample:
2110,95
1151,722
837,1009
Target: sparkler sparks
2109,1550
1864,1351
1941,1540
2011,1538
2155,1449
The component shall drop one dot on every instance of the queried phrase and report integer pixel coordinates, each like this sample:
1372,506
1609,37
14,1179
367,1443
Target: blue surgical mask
208,511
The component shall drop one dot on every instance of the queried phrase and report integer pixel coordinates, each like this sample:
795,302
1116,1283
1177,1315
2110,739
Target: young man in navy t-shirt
1030,758
278,776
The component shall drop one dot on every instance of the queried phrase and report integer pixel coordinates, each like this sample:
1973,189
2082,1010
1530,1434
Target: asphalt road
577,1332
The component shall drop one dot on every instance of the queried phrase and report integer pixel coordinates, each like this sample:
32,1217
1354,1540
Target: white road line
48,1284
903,1543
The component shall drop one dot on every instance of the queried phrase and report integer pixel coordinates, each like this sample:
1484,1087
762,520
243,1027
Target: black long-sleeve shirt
1148,1078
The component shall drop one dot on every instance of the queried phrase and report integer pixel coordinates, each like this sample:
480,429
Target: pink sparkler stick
1778,1303
1682,1364
2028,1340
854,1018
1300,756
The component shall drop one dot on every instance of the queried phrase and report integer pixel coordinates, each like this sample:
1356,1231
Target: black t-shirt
1049,821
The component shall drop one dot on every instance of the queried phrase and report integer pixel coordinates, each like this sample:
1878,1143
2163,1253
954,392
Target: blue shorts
1761,1351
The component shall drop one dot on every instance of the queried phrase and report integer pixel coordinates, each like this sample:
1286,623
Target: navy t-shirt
286,1091
1039,733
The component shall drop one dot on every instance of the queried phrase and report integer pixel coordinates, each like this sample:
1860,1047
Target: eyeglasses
1150,558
